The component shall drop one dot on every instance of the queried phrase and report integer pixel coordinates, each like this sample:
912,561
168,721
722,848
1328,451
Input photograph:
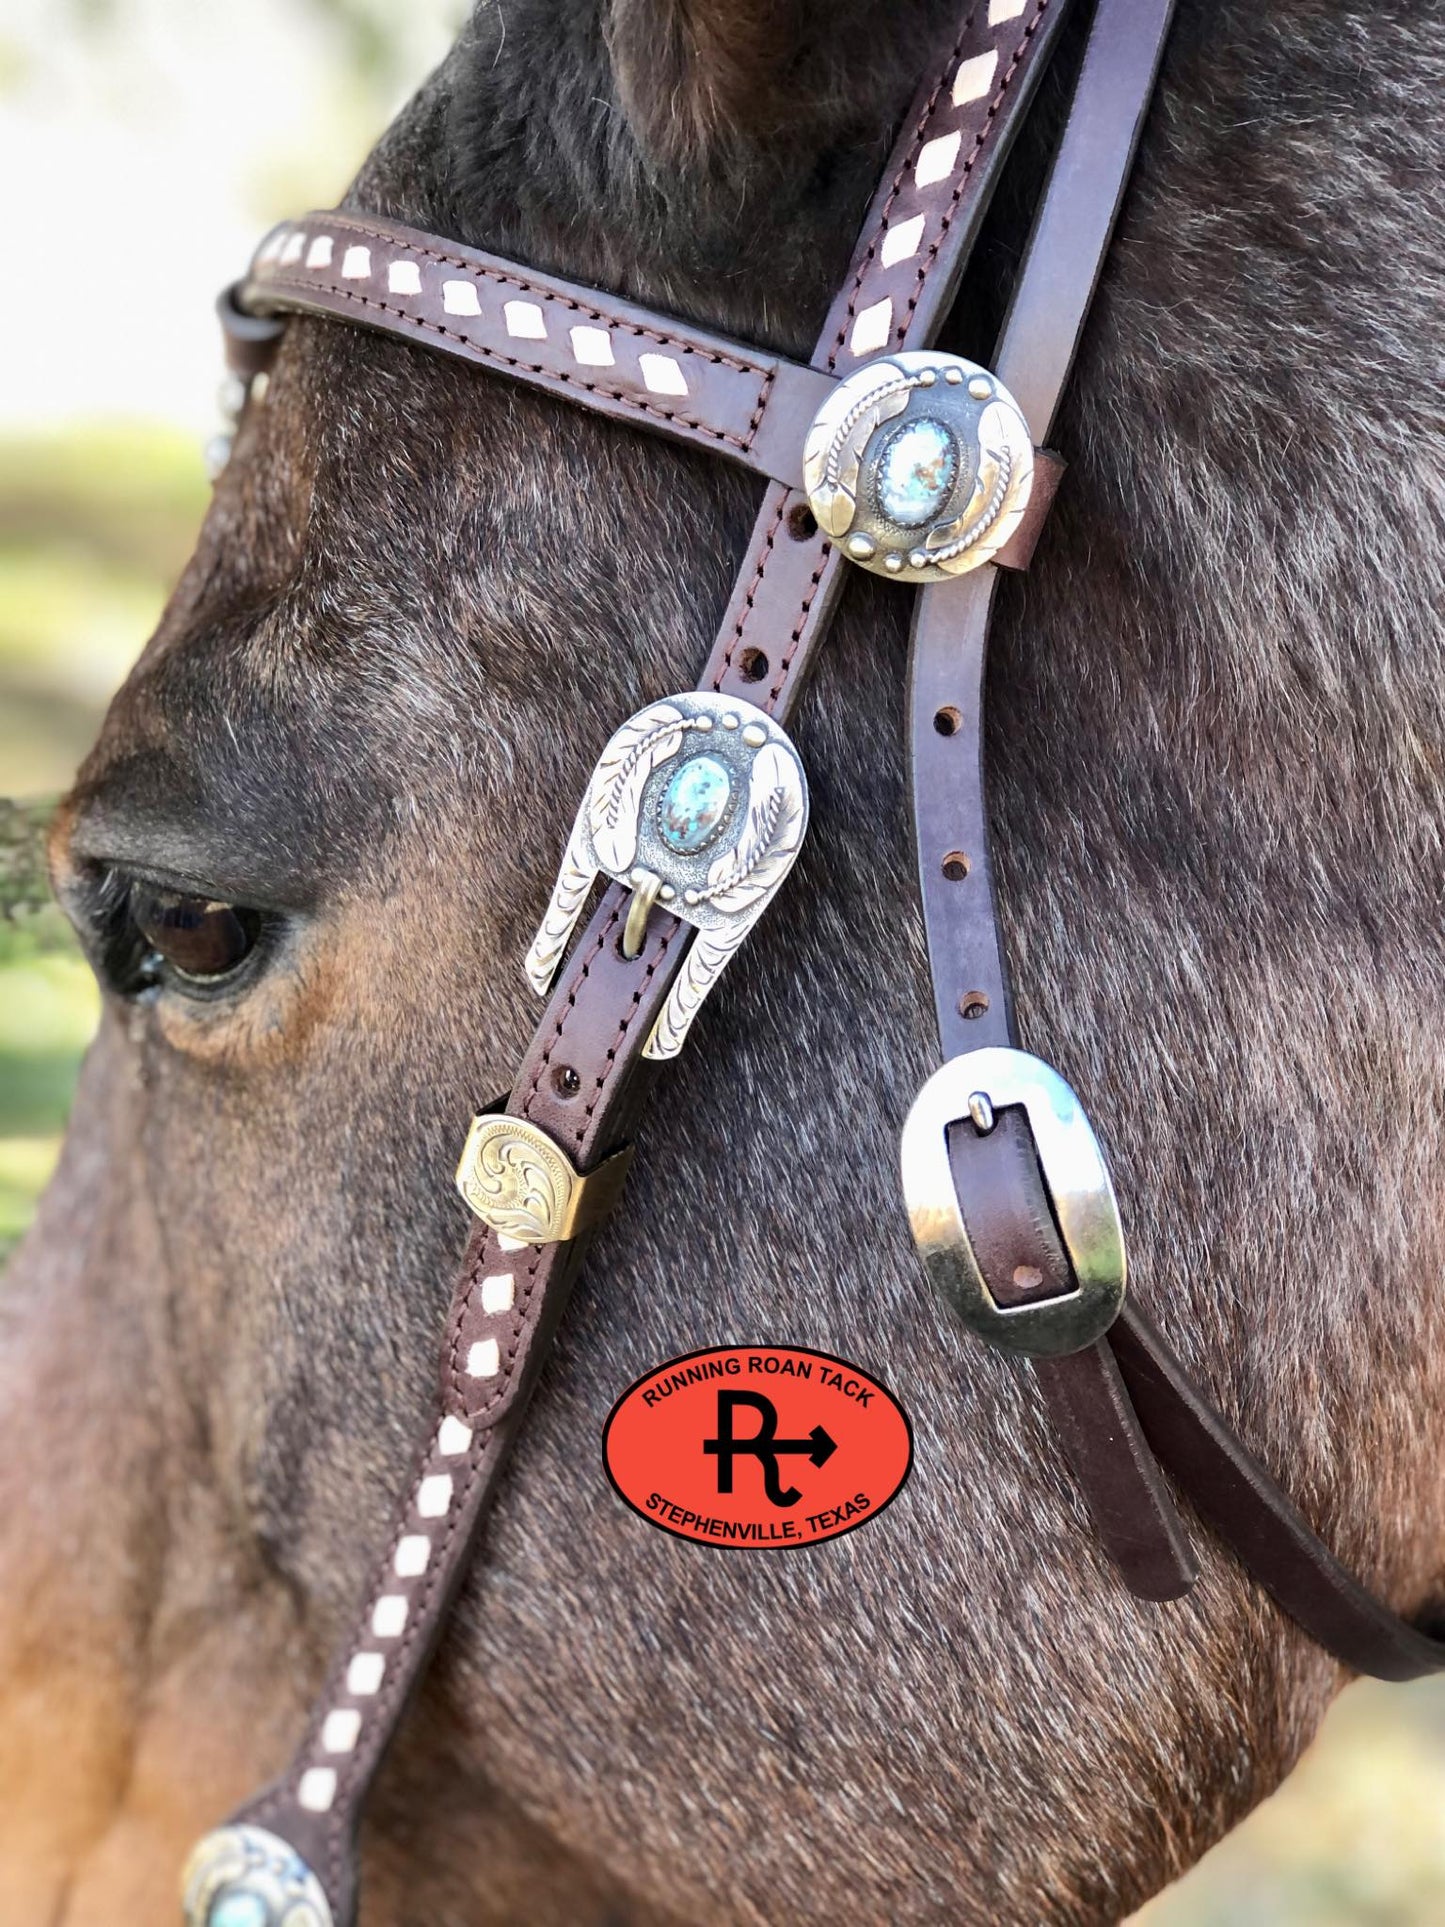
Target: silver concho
700,804
919,465
246,1877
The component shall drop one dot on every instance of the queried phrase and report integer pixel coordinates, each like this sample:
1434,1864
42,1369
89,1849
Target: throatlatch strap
1005,1204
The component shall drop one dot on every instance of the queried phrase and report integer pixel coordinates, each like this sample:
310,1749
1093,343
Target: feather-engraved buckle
698,803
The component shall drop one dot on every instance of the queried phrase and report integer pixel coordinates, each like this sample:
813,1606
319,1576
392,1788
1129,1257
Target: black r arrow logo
764,1445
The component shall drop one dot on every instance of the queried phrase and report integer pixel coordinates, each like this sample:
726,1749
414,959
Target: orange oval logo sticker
758,1448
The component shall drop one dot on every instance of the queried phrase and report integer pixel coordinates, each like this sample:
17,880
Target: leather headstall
879,453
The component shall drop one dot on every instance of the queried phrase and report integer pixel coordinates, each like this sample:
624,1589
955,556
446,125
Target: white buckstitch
364,1674
412,1554
592,347
341,1730
460,297
388,1618
872,327
318,255
900,242
317,1789
291,253
974,78
499,1293
434,1496
662,375
453,1438
525,320
937,158
356,264
403,277
484,1360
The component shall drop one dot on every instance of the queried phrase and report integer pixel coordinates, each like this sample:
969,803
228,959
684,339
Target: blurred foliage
373,38
94,525
1355,1838
48,1005
23,891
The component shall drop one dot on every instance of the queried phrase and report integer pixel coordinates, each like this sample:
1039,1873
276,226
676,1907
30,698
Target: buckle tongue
975,1087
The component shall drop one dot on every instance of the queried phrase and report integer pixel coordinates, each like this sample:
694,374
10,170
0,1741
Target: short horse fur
1216,729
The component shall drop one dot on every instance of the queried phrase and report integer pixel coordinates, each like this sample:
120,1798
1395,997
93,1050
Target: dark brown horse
418,606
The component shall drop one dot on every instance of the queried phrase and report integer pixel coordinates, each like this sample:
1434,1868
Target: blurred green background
172,134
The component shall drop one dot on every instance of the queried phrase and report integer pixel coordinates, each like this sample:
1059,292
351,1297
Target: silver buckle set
919,466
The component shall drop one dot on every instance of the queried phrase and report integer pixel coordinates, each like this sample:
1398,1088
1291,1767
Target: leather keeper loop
251,339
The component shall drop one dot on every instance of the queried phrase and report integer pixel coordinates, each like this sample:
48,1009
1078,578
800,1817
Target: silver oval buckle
975,1087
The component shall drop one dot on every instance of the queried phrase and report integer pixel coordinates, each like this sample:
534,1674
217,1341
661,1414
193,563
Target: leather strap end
1018,551
1015,1241
1235,1495
1128,1500
251,340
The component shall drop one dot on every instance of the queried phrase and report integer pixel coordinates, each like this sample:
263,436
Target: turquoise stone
694,804
916,473
238,1909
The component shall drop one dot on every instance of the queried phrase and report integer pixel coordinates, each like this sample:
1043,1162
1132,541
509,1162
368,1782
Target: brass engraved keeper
522,1184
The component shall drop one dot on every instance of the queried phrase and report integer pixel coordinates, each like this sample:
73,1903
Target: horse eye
196,937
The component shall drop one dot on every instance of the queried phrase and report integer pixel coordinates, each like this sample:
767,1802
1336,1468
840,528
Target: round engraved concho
246,1877
919,465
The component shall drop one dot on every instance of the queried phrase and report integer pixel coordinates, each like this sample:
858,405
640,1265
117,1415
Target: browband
1006,1188
614,358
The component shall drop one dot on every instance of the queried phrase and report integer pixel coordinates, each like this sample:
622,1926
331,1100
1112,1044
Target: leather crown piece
887,455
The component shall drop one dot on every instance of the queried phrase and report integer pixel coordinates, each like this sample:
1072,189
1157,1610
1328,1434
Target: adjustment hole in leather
948,721
973,1003
1028,1277
565,1081
802,523
955,866
753,665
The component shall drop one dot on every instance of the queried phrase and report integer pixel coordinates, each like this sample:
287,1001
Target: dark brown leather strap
616,359
1018,1248
1238,1498
579,1081
1005,1202
1127,1499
